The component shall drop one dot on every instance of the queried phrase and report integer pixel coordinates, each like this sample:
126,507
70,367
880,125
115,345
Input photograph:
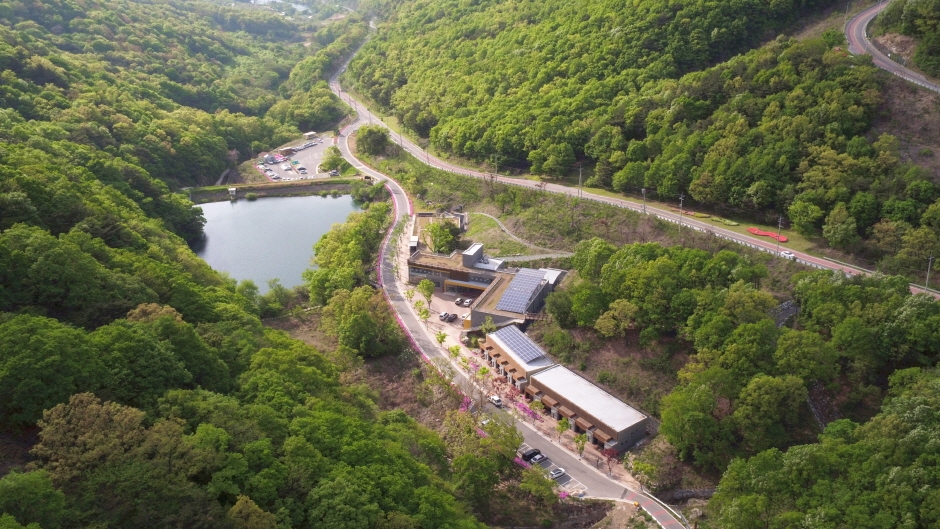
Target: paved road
758,243
856,31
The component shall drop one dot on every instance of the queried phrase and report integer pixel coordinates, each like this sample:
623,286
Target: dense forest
743,391
919,20
144,382
163,92
626,88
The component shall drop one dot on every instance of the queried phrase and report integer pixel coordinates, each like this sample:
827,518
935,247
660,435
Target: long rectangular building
607,421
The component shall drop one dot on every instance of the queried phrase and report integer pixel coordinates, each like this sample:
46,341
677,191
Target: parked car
302,171
538,459
529,454
495,400
787,254
451,318
458,301
556,473
334,172
467,302
443,316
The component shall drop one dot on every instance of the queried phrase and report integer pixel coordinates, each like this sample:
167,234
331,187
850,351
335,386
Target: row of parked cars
535,457
463,302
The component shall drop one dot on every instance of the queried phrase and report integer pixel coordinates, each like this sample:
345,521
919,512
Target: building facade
608,422
514,355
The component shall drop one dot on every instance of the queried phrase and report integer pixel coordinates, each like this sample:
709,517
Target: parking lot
565,482
308,158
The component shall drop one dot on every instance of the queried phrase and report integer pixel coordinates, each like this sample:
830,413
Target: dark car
443,316
530,453
451,317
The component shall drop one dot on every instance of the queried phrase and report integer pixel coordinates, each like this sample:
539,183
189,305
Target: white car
787,254
556,473
495,400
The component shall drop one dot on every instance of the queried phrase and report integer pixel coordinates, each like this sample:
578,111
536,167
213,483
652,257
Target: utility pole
779,227
681,198
927,283
579,179
644,199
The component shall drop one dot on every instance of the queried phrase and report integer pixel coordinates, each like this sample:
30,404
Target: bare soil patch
912,114
898,44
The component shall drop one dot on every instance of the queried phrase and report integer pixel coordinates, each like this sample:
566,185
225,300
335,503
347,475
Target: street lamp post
579,179
779,227
927,283
681,199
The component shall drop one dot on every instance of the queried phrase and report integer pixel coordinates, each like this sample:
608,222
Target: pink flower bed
522,463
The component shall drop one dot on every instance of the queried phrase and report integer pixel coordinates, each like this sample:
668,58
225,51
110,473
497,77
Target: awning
532,390
584,425
549,402
601,435
565,412
513,370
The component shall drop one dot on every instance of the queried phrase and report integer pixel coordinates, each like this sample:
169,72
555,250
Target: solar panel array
521,290
519,343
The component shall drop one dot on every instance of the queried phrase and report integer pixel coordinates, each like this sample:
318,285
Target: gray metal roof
521,290
591,399
521,347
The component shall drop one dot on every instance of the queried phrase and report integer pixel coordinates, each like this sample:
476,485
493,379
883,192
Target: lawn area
485,230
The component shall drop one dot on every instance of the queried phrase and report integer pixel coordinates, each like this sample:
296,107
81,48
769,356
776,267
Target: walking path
549,251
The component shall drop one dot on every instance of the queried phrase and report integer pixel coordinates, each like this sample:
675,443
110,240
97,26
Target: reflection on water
268,238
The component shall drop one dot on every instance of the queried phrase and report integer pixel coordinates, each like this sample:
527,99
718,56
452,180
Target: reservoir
269,238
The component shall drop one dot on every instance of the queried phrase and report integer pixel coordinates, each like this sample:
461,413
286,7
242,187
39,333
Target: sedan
556,473
538,458
467,302
458,301
443,316
451,318
787,254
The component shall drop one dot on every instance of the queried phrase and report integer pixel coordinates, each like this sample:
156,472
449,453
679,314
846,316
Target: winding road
856,32
365,116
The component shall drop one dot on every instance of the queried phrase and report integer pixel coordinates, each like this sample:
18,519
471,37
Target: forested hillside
182,91
638,92
144,381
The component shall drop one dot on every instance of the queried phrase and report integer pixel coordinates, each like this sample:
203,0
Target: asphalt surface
856,32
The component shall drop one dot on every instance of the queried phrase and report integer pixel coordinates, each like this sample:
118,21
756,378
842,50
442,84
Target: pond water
269,238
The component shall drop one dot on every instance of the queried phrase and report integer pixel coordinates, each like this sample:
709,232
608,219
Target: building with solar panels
608,422
514,355
517,297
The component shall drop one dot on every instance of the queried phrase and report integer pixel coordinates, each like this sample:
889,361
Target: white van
285,167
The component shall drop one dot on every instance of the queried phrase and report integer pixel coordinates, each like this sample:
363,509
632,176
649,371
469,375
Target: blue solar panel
522,289
520,344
